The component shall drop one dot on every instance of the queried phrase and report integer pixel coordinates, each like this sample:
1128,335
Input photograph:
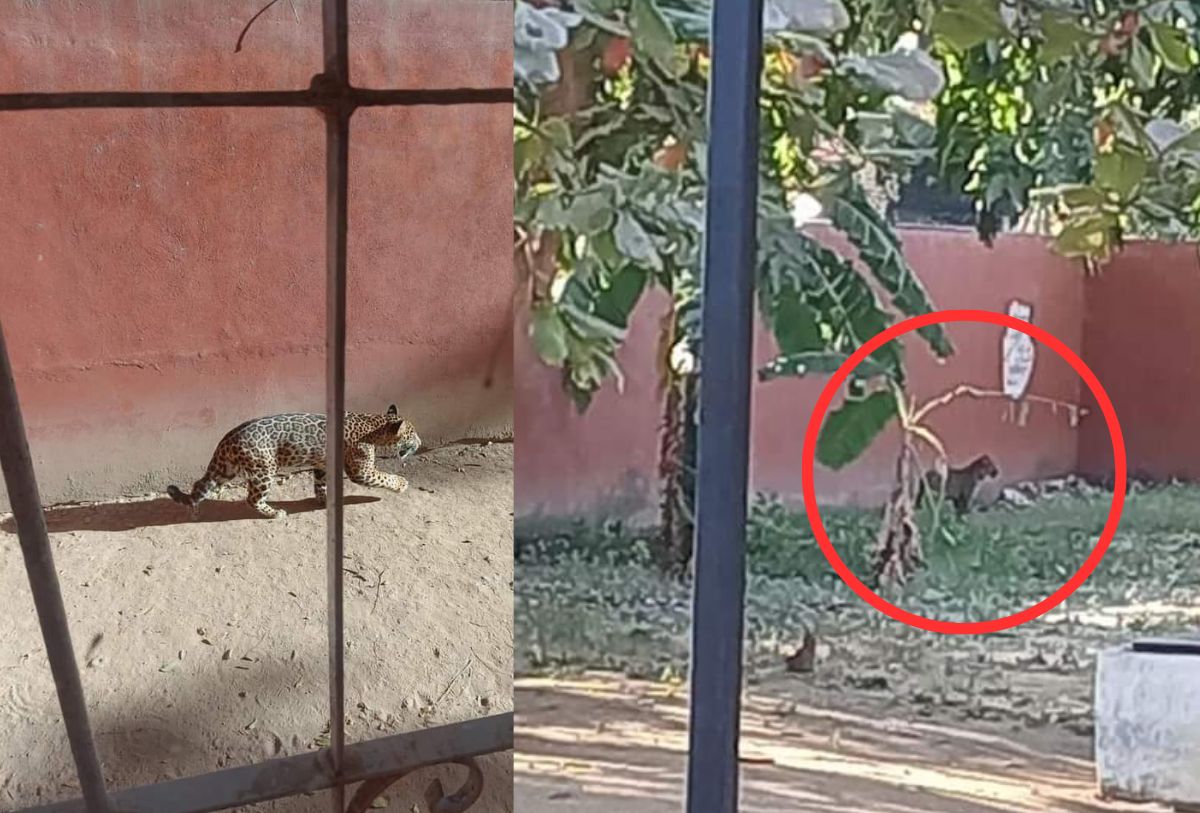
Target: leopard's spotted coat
263,448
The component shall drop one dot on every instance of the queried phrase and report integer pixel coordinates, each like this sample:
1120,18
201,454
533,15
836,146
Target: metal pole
337,138
370,761
43,583
724,432
335,27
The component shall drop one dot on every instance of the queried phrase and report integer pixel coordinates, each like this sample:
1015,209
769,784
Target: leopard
960,483
263,448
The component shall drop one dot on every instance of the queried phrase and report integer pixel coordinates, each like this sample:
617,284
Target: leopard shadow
128,516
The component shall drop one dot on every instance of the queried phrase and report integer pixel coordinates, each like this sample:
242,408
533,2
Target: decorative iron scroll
436,798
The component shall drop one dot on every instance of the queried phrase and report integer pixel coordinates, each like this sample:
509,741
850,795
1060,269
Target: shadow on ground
601,742
128,516
144,743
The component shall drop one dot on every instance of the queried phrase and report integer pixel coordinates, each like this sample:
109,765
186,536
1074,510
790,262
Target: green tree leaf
590,212
794,324
816,363
1121,169
1171,44
850,428
913,75
1141,63
826,17
1089,235
964,24
633,241
616,302
1061,35
549,334
653,35
834,288
881,252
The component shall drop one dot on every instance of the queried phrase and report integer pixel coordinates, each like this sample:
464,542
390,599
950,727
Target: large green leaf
1121,169
1061,35
1142,65
794,324
653,35
634,242
881,252
549,334
913,75
824,17
963,24
845,305
1171,44
816,363
1089,235
590,212
537,34
850,428
620,296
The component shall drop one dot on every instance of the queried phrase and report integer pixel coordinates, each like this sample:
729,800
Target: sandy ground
599,742
203,644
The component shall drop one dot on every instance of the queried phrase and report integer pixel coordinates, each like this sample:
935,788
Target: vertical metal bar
43,583
337,168
335,28
724,431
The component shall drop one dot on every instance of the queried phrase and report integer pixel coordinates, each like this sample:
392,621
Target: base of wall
88,430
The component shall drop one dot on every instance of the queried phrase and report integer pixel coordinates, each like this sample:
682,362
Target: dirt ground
203,644
599,742
891,719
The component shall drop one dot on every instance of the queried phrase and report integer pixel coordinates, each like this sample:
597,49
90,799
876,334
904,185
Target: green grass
588,595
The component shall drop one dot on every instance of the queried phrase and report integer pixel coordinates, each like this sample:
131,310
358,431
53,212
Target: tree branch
978,392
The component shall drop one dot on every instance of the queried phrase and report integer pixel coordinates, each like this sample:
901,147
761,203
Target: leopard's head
397,432
985,468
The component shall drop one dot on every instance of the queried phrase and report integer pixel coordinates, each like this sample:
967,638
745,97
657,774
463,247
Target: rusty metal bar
336,79
309,773
311,97
26,504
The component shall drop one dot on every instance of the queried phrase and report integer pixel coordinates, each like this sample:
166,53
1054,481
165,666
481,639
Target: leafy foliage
852,426
1053,119
616,179
1072,114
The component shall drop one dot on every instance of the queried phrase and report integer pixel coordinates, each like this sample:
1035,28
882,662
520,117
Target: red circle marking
963,627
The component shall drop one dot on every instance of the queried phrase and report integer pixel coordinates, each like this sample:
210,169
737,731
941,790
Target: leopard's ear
392,411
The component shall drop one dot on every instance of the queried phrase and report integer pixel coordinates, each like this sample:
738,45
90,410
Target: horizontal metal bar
26,504
355,97
308,773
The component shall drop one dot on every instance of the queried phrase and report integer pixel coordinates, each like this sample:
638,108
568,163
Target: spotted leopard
263,448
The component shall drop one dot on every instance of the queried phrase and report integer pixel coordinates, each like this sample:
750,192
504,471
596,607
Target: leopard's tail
178,496
214,477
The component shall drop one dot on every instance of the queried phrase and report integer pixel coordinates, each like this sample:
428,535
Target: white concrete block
1148,721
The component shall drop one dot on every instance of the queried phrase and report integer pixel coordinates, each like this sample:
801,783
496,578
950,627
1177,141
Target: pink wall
1143,342
604,462
163,275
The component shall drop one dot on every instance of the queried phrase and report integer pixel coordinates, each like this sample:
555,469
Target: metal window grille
375,763
727,322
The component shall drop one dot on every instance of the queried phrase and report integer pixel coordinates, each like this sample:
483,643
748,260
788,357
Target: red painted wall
604,462
1142,337
163,276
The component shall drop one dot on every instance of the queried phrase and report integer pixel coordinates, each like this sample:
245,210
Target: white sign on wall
1018,353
